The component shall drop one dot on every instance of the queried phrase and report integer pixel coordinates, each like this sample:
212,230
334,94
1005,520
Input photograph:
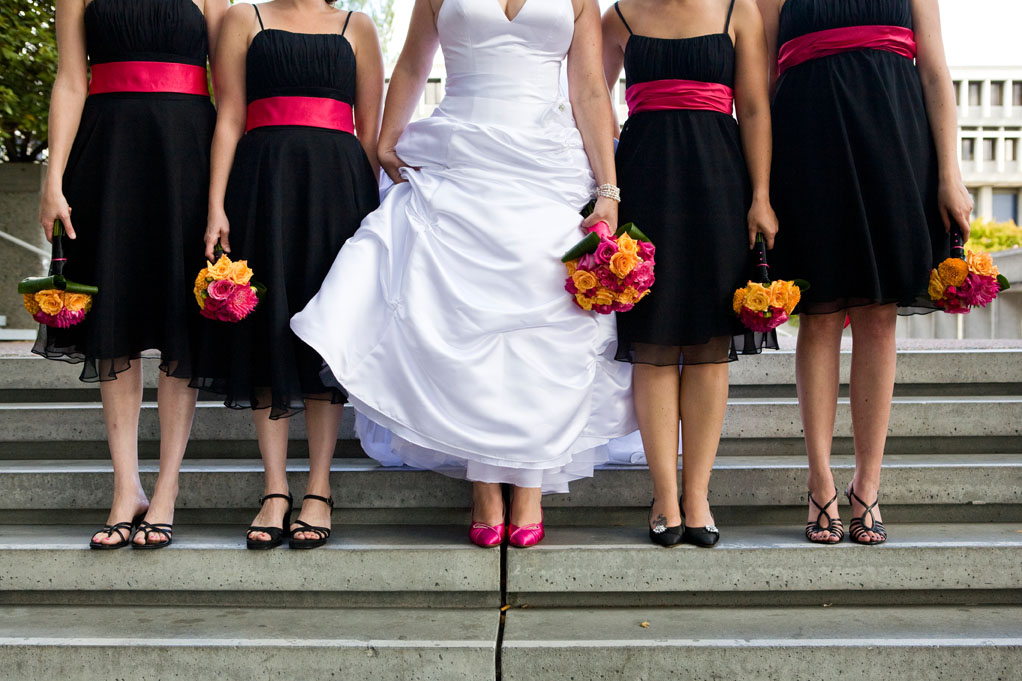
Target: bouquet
225,290
53,300
764,305
965,280
610,272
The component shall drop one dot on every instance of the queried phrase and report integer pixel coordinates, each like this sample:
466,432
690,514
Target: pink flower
242,302
220,290
607,278
623,307
62,320
646,250
603,309
569,286
212,308
587,262
758,321
978,290
641,277
601,228
605,250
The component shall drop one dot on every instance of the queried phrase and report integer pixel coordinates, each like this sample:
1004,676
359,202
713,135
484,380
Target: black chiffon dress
294,196
855,168
137,180
685,183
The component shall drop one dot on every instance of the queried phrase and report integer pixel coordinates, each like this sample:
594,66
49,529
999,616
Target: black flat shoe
153,528
119,529
277,534
662,535
322,533
858,530
705,536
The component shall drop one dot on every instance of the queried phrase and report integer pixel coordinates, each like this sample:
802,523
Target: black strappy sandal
322,533
858,530
277,534
153,528
834,525
126,526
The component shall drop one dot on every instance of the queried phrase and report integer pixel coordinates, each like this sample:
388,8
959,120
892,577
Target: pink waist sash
314,112
663,95
897,39
148,76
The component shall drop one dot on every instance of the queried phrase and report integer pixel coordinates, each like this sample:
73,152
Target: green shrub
990,237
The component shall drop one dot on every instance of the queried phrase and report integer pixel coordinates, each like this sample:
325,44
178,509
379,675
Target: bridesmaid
129,158
866,184
697,183
290,182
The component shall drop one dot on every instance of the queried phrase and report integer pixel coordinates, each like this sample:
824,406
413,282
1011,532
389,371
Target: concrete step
768,644
745,489
619,566
42,643
360,566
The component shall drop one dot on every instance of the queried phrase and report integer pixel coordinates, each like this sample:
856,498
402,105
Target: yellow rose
30,303
982,264
629,295
202,280
757,298
627,244
77,301
604,296
953,271
644,294
50,301
937,287
221,269
572,266
585,303
794,295
739,300
240,273
622,263
584,280
779,293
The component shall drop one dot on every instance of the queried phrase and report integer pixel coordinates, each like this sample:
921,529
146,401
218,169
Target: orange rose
202,279
794,296
604,296
622,263
77,301
629,295
584,280
937,287
239,272
627,244
757,297
220,269
739,300
779,293
30,303
982,264
953,271
584,302
572,266
50,301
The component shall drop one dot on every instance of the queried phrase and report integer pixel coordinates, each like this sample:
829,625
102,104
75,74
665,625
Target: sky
976,32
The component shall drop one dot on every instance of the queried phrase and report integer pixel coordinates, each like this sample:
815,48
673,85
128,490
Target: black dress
294,196
684,182
137,179
855,169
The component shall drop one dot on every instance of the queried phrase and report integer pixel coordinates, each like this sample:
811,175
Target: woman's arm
407,82
615,37
232,46
938,93
70,89
368,84
590,102
770,11
752,104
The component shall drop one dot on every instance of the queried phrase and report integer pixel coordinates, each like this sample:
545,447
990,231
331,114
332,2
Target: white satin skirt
445,316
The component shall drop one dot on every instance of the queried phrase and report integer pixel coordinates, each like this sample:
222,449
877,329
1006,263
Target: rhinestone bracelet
609,191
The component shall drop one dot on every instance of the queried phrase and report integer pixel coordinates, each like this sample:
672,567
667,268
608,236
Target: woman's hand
392,164
217,229
606,211
54,207
762,220
955,206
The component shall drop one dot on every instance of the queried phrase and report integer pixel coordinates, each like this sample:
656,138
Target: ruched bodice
145,30
282,64
705,58
799,17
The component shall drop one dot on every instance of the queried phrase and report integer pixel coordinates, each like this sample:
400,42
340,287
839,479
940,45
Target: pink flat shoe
486,536
526,535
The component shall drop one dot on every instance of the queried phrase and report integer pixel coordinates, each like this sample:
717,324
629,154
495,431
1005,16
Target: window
975,92
1005,206
997,93
1011,150
958,92
621,89
968,149
989,145
1016,93
434,92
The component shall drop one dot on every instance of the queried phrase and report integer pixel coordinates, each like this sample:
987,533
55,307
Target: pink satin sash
663,95
314,112
148,76
897,39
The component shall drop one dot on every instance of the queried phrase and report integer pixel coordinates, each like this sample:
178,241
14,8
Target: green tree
28,65
382,14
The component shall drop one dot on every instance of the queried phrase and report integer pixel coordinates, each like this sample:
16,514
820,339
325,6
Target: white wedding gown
445,316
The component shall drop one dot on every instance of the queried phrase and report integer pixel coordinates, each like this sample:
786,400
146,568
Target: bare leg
122,400
487,503
817,359
656,391
177,410
703,403
527,506
874,356
322,421
272,436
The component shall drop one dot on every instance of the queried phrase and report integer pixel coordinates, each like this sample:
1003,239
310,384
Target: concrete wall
20,186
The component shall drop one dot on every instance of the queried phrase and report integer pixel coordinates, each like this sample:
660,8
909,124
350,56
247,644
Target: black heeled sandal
322,533
858,530
662,535
153,528
118,528
705,537
277,534
834,526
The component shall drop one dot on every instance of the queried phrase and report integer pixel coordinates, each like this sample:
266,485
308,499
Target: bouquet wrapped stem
54,300
763,305
225,290
965,280
610,272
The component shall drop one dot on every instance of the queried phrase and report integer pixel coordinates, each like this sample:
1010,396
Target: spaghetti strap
259,17
622,17
346,20
727,24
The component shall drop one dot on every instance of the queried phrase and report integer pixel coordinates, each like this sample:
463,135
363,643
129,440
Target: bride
445,316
